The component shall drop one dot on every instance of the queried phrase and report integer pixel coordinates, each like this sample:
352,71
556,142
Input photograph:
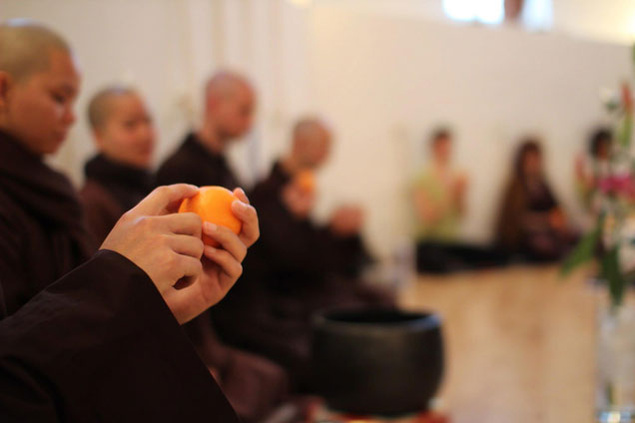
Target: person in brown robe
118,176
200,159
254,384
90,348
299,266
104,343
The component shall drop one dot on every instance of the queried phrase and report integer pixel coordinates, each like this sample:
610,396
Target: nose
69,116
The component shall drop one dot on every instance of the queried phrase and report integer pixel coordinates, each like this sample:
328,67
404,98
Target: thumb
164,199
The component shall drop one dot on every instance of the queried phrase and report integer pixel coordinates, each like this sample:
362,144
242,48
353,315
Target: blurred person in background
439,198
300,267
119,175
254,385
531,221
228,115
590,169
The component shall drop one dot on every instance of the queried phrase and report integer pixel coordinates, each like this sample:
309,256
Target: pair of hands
190,276
298,201
345,221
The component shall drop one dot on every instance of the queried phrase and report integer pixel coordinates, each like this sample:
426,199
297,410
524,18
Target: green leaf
584,251
625,131
612,274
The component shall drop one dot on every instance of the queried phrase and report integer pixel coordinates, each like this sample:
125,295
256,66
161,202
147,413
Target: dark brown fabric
295,269
42,232
100,345
111,189
100,208
193,163
252,384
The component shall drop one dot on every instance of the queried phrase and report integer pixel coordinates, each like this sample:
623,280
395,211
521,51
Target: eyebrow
69,89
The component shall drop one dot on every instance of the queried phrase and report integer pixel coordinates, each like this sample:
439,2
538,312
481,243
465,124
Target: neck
290,165
211,138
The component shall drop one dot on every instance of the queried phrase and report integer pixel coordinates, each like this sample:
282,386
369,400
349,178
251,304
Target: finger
240,193
187,267
187,302
225,261
229,241
164,199
182,223
249,216
194,299
187,245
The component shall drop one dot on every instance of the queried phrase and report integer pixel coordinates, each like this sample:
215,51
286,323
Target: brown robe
110,189
193,163
296,269
253,385
100,344
42,235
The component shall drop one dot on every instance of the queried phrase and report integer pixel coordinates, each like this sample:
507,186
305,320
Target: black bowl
380,362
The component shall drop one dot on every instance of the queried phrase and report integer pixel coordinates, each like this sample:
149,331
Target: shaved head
311,141
226,84
229,107
101,105
26,47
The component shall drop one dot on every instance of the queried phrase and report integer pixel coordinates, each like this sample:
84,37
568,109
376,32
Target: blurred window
489,12
534,14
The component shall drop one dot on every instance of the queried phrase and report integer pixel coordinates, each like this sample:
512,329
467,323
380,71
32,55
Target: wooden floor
520,344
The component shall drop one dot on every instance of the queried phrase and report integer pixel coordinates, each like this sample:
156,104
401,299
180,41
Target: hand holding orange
213,204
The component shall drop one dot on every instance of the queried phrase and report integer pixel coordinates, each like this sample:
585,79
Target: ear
98,135
6,82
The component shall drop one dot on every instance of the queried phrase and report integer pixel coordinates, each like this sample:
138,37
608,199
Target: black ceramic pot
380,362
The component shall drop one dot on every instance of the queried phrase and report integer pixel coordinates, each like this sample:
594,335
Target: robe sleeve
100,344
12,272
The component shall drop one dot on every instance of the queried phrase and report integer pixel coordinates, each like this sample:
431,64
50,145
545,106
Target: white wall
167,48
384,78
140,42
387,81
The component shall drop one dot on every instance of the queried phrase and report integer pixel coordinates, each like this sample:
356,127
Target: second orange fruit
213,204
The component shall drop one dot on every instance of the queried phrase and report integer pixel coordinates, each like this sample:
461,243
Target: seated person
591,169
253,384
531,222
300,267
104,342
119,175
439,202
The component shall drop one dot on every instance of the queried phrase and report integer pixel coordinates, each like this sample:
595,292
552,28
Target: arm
116,318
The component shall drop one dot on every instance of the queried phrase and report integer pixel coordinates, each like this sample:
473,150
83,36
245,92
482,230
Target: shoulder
94,195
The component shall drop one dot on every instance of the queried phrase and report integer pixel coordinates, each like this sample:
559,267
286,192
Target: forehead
62,70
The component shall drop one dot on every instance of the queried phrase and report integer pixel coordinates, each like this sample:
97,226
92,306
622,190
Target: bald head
229,104
311,142
226,84
102,104
26,47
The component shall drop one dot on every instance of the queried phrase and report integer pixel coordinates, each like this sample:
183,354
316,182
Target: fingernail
210,249
210,227
241,205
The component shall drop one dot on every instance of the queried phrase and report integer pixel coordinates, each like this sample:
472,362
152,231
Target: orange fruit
213,204
305,179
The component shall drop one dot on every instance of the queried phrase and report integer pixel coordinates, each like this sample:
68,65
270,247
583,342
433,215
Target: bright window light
489,12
